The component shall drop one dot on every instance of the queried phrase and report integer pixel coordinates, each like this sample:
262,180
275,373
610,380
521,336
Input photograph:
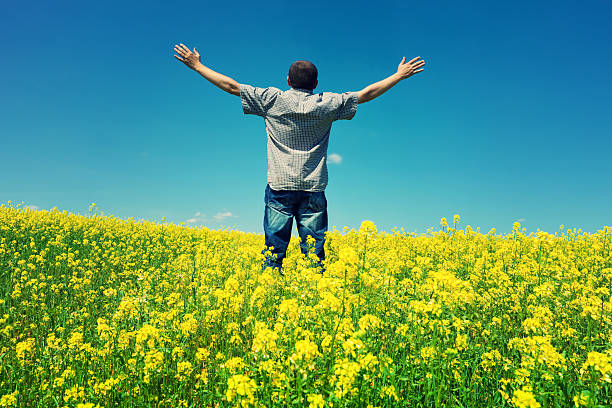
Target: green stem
365,247
331,347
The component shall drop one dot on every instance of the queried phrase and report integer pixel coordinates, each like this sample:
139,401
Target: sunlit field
96,311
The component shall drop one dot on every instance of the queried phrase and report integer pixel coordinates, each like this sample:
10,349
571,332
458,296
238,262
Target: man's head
303,74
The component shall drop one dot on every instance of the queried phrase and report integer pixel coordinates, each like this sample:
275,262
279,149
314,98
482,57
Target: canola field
96,311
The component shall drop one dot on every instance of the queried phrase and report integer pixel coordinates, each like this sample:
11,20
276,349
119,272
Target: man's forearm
224,82
378,88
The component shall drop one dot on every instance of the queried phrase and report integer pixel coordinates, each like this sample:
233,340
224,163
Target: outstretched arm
404,70
192,60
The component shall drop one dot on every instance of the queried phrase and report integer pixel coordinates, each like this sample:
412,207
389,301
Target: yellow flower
24,349
352,346
305,350
58,382
345,372
388,391
461,341
153,360
524,398
316,401
428,353
76,392
348,255
189,325
288,308
241,386
369,322
367,227
9,400
600,362
202,354
582,400
265,339
184,369
234,365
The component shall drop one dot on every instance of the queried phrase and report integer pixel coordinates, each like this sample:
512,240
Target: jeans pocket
279,200
318,202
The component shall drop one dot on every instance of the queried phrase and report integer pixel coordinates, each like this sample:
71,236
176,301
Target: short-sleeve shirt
298,123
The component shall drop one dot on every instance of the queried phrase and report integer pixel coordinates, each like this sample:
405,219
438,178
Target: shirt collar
302,90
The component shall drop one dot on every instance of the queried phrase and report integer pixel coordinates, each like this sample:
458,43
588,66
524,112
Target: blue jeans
310,212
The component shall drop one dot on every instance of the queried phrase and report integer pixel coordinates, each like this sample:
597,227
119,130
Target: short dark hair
303,74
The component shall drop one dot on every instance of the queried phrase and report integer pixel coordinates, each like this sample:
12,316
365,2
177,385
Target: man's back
298,123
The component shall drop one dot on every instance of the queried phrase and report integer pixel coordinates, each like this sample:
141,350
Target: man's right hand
408,69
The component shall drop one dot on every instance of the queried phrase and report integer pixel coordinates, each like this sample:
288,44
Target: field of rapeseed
98,311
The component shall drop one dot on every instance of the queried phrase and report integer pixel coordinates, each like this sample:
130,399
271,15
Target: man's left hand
191,59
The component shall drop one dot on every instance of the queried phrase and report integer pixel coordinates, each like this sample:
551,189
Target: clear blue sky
511,119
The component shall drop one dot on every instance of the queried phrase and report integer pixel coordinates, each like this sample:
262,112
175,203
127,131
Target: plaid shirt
298,124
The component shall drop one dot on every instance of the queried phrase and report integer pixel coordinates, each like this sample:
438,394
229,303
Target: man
298,123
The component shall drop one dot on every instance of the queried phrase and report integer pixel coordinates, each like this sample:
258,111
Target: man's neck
310,91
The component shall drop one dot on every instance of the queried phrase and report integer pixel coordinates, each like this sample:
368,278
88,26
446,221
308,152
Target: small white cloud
521,220
201,218
198,217
220,216
31,207
334,158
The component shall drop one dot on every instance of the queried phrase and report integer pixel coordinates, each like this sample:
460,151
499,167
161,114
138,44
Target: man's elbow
363,96
233,88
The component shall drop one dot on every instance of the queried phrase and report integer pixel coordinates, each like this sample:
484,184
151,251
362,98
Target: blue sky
511,119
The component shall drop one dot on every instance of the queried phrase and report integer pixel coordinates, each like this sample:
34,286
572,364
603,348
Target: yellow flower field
98,312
